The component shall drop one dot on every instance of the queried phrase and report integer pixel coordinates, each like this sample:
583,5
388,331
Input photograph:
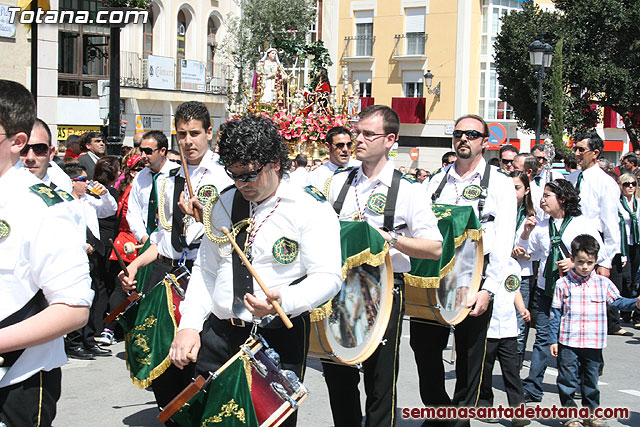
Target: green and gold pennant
150,327
227,402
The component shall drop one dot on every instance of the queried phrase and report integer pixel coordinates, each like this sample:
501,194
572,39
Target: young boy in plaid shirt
578,325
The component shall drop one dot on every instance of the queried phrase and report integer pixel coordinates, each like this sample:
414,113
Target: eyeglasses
547,195
471,134
148,151
506,161
367,134
580,149
341,145
41,149
250,176
629,184
80,179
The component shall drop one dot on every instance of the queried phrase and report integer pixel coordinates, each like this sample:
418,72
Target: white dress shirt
139,198
599,197
207,172
526,265
320,175
298,217
56,175
413,208
536,195
504,323
539,243
501,204
299,177
44,250
94,208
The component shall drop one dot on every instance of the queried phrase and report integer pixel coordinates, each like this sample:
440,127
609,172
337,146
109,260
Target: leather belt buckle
238,322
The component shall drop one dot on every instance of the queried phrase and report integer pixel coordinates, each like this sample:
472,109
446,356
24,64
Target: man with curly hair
293,243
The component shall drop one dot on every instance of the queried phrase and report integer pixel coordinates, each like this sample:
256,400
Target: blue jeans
540,357
571,363
523,327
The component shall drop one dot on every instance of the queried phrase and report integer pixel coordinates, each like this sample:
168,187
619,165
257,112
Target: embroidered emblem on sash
376,203
472,192
285,250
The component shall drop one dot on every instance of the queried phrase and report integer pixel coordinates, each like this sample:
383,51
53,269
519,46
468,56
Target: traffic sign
497,134
413,154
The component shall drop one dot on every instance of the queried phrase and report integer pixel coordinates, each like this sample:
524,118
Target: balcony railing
410,44
359,46
134,73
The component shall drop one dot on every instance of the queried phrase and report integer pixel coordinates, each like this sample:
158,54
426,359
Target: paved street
99,393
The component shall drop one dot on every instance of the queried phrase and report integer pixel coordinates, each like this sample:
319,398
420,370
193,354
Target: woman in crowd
629,210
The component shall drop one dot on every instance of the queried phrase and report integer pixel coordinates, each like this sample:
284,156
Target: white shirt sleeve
609,221
134,212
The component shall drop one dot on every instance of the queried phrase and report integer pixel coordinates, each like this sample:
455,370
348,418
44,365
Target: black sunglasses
340,145
41,149
250,176
628,184
580,149
506,161
148,151
471,134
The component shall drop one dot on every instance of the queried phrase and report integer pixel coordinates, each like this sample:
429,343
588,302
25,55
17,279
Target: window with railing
364,82
415,30
364,40
490,105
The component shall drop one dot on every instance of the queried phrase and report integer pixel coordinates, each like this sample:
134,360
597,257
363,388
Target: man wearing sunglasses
144,189
94,144
37,157
543,177
469,181
411,231
43,270
339,144
293,244
506,155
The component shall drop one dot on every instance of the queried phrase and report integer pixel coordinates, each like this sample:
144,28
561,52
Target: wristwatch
489,292
394,238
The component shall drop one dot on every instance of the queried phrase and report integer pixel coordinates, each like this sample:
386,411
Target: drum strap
390,204
484,184
178,240
242,279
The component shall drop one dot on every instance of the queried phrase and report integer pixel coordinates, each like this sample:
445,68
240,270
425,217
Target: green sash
149,329
635,231
227,402
551,273
456,224
579,181
624,243
522,214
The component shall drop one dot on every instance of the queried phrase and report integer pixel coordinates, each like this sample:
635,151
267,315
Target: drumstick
196,215
254,273
120,261
130,248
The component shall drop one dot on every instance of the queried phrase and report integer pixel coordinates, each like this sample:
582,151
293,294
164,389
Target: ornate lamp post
540,55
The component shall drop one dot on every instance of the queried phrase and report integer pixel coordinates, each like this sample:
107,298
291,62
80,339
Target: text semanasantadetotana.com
520,412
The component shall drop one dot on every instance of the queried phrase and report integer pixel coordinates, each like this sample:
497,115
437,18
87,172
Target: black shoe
96,350
529,399
79,353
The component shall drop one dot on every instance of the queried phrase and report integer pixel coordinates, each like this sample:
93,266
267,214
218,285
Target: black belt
235,323
174,262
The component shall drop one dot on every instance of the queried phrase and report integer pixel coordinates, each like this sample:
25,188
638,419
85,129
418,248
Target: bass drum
447,303
358,317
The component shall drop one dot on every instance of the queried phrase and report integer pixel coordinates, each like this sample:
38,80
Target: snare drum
456,276
275,392
358,316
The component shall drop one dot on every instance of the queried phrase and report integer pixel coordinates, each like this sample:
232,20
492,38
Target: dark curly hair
107,170
193,110
567,196
252,139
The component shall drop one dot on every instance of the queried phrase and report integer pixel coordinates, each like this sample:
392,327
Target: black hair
390,119
494,162
529,162
631,158
527,202
447,155
17,108
159,136
593,140
72,138
301,160
107,170
174,152
585,243
323,75
85,139
41,124
570,161
485,126
252,139
508,148
336,130
537,147
567,196
193,110
73,169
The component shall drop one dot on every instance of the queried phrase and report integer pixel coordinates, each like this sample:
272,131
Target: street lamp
540,55
428,81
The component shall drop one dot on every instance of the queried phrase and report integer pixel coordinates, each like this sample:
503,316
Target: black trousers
380,375
83,337
33,401
506,350
619,275
428,341
220,340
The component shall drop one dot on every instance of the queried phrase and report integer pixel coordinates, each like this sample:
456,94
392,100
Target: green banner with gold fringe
143,273
149,326
360,244
456,224
227,401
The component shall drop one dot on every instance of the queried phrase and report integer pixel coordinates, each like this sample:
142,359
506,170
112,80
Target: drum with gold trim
349,328
438,290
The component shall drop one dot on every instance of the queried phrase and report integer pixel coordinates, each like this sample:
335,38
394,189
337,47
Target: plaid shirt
583,305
